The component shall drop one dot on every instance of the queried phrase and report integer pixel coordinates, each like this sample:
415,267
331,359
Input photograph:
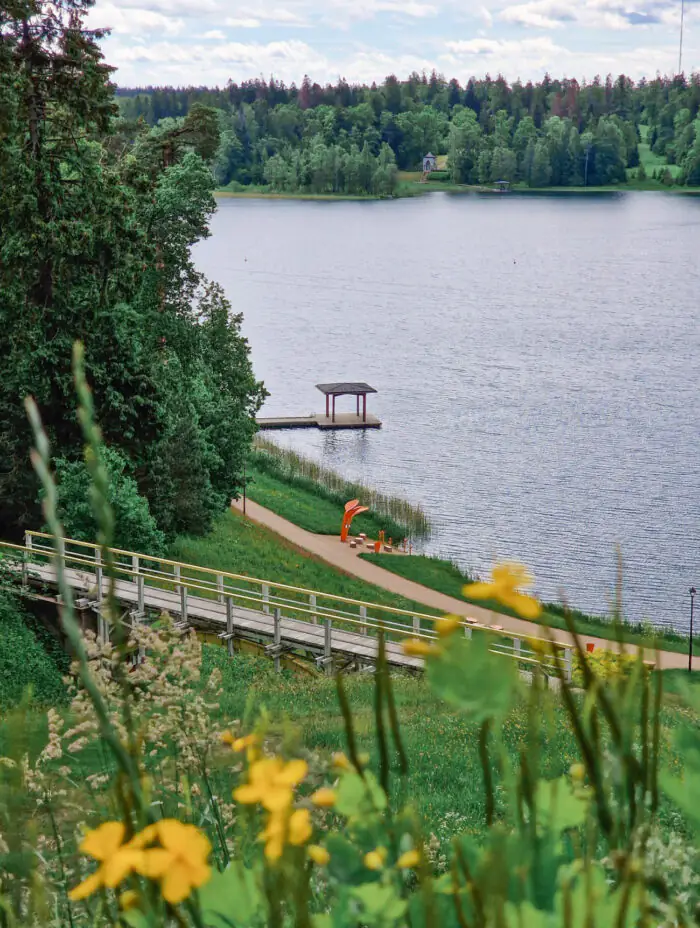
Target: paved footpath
330,549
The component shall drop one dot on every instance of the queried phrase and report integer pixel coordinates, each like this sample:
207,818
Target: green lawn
307,509
242,547
445,577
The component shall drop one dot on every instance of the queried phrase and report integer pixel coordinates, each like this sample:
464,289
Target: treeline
554,132
97,220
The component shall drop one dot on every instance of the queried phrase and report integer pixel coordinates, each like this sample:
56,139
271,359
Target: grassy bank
302,479
446,577
237,545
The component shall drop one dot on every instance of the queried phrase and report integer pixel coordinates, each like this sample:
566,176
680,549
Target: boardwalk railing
192,590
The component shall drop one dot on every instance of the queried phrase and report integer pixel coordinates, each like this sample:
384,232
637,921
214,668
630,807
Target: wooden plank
210,612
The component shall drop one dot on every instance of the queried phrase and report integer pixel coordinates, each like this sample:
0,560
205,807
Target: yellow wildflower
577,772
318,854
418,647
117,859
447,625
180,863
341,761
506,580
325,798
408,860
129,900
228,738
375,859
281,828
271,782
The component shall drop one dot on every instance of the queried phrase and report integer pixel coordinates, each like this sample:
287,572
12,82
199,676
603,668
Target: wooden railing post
328,647
468,631
266,599
135,567
277,638
363,619
183,602
416,625
568,664
141,593
229,625
176,575
98,573
312,606
517,648
220,586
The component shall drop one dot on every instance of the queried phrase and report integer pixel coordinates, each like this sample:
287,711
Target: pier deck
343,420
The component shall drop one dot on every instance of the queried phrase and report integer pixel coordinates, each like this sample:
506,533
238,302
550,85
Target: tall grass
303,471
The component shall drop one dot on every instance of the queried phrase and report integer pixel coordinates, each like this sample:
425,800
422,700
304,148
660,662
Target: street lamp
692,592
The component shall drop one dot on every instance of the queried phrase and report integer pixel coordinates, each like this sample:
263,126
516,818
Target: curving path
330,549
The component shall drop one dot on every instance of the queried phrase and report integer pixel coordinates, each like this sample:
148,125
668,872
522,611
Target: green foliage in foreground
208,838
445,577
24,663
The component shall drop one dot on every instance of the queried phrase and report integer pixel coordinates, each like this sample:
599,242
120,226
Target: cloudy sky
209,41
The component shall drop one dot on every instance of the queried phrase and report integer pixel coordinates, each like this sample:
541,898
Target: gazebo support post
364,406
328,412
334,407
358,405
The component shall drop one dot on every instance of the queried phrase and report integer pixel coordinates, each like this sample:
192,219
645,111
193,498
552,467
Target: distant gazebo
331,390
429,163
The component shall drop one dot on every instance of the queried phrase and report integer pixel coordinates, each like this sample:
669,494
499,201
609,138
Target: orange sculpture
352,509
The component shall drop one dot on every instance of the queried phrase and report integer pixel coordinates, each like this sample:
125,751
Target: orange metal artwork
352,509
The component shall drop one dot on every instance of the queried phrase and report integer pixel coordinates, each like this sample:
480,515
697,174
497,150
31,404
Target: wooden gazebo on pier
331,390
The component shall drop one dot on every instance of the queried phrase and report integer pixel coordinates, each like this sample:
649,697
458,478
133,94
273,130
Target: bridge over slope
328,630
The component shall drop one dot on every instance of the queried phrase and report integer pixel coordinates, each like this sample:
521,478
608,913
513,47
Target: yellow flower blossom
418,647
324,798
180,863
375,859
447,625
506,581
271,782
284,829
117,859
318,854
577,773
129,900
341,761
408,860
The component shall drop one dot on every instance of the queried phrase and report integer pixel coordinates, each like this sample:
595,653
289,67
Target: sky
208,42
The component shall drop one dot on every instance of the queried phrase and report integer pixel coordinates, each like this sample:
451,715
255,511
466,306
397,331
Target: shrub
135,528
24,663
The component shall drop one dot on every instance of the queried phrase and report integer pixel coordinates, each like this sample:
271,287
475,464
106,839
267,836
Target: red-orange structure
352,509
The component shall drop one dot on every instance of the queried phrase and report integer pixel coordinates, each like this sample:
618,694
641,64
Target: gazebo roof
343,389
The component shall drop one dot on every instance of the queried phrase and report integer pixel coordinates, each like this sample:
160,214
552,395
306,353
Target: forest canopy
348,138
97,222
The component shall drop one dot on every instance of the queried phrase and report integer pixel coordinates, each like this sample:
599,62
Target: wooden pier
343,420
332,420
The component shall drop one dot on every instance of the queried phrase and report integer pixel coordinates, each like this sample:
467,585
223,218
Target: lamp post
692,592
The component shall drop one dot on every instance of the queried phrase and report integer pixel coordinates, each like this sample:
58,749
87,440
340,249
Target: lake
538,366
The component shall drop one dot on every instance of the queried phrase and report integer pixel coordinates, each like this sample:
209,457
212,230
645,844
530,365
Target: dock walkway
343,420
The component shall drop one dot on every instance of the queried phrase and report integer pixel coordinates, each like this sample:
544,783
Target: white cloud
214,34
241,24
133,21
175,64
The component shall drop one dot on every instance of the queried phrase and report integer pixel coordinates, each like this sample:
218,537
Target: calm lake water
537,361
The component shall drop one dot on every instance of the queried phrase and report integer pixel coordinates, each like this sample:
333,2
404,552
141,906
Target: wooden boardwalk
322,642
343,420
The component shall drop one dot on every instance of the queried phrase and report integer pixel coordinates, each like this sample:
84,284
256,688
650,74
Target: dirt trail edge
330,549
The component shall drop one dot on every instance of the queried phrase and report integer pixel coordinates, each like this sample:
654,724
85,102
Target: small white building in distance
429,163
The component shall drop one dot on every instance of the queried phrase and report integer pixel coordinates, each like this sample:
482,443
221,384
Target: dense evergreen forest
97,219
352,139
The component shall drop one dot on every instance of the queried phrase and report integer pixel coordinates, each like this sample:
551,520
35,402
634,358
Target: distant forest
355,139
